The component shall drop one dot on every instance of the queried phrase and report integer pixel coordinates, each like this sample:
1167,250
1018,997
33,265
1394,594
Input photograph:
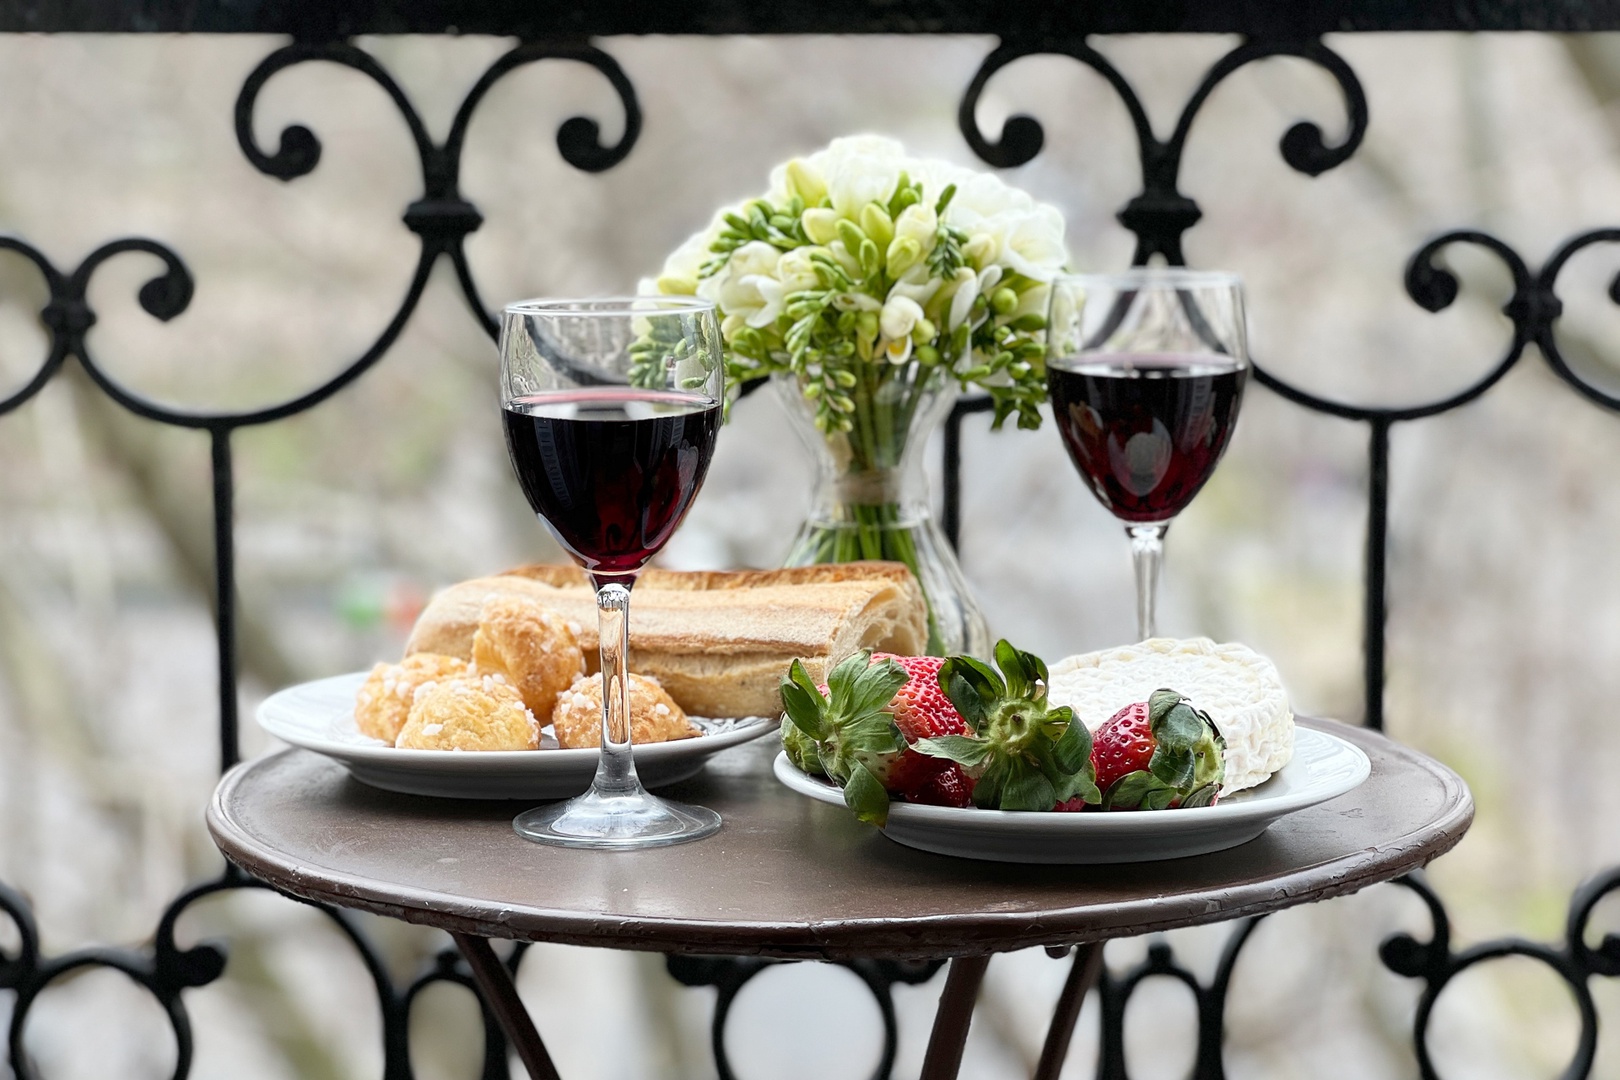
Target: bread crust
718,641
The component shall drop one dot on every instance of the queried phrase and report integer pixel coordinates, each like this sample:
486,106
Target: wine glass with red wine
1146,370
611,410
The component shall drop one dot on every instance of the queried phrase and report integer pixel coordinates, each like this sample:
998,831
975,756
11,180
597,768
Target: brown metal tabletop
788,876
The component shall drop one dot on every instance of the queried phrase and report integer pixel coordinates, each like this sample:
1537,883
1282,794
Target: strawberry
1021,754
1157,754
920,708
855,741
949,787
1071,806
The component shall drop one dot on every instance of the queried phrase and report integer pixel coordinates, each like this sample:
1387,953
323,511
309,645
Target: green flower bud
905,196
924,331
845,378
739,223
812,390
821,225
903,254
1004,301
850,233
980,250
866,324
805,182
677,286
877,223
870,259
844,403
1030,322
926,355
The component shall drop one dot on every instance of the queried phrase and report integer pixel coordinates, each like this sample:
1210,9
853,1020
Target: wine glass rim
609,305
1176,276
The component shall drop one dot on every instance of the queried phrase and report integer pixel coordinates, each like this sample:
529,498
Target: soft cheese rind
1239,688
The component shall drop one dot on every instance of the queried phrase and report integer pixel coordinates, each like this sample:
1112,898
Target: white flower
736,289
1007,226
797,270
967,290
794,272
856,170
899,317
917,222
920,288
1032,243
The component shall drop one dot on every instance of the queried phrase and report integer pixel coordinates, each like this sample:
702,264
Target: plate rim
746,729
1221,814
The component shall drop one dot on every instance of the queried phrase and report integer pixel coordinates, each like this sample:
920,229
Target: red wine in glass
1146,430
612,471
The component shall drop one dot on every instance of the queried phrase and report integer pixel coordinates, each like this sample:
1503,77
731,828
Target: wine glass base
617,822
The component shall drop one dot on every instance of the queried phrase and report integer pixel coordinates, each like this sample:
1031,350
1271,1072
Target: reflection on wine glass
1146,370
611,410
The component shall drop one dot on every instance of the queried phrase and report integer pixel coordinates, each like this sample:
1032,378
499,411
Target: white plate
319,716
1324,767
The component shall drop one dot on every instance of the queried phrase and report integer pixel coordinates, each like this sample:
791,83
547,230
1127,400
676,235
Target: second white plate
1324,767
319,716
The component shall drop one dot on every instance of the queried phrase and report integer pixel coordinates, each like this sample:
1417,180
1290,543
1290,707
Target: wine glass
1146,370
611,410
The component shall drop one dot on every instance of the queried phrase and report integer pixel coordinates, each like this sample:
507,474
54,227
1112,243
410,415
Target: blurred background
1505,585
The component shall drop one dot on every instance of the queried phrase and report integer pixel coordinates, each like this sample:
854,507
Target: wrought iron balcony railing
442,217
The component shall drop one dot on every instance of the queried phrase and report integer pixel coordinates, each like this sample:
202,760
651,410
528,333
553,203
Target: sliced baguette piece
718,641
1240,689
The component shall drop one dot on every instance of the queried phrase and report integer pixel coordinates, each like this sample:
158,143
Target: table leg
955,1012
500,993
1083,976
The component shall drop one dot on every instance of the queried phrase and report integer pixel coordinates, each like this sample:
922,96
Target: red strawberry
1122,745
920,708
949,787
1022,753
1157,754
1071,806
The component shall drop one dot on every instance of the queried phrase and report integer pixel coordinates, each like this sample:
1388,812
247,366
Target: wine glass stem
616,769
1147,553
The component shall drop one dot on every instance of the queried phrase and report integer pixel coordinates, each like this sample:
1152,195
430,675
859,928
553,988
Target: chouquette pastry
471,713
384,701
654,716
531,647
718,642
1239,689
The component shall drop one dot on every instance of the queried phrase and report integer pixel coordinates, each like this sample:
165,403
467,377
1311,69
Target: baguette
718,641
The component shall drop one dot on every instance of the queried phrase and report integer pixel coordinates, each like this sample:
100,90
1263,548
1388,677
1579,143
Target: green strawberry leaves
967,752
1188,762
1139,790
846,734
802,701
1024,755
864,794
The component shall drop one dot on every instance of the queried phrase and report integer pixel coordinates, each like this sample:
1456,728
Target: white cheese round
1239,689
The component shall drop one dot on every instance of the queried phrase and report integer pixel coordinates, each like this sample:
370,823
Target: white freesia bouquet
862,267
875,286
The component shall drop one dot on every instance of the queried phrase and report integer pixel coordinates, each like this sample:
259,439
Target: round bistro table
790,877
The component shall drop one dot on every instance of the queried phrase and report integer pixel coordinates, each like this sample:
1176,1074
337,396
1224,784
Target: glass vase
871,499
